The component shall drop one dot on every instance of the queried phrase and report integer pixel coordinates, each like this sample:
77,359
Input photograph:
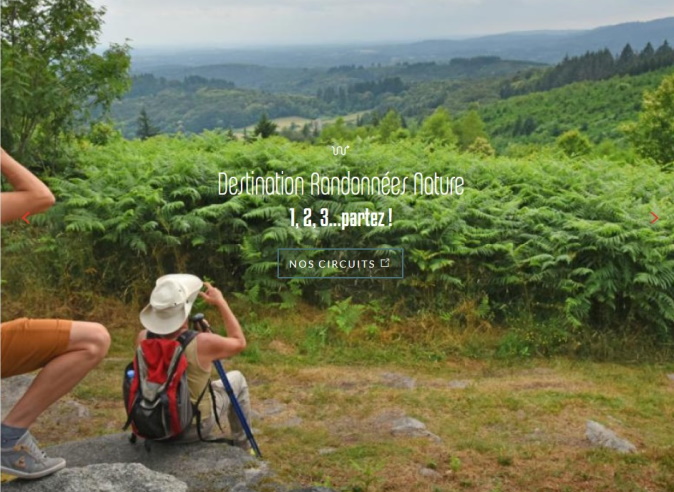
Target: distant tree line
147,84
595,65
476,61
345,69
360,95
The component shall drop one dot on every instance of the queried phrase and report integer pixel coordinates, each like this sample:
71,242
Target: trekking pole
201,323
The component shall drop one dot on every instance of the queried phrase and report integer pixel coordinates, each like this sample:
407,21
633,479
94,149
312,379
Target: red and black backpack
156,394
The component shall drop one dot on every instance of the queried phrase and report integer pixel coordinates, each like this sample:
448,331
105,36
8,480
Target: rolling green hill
236,95
178,111
595,108
310,80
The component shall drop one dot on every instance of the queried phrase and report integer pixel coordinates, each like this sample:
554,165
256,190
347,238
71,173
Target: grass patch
516,424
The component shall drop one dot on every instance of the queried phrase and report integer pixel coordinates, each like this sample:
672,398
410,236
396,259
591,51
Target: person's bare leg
89,343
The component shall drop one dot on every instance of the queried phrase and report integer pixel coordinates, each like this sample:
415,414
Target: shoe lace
34,449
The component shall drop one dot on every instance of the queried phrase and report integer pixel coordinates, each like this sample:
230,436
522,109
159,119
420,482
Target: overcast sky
235,23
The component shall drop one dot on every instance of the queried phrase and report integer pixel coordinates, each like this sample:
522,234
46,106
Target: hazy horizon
217,24
350,43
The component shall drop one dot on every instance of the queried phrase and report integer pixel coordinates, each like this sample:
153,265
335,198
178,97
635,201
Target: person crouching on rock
167,315
65,350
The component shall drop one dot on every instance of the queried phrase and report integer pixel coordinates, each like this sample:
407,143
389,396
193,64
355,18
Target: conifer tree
627,56
265,128
145,128
647,52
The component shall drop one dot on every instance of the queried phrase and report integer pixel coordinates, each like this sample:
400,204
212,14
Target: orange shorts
29,344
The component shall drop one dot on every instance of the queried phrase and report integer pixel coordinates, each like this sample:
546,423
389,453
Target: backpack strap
186,338
217,439
197,413
217,418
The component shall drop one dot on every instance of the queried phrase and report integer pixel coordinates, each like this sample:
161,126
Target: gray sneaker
26,460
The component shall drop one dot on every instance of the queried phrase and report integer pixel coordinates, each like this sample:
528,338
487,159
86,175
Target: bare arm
29,195
214,347
140,337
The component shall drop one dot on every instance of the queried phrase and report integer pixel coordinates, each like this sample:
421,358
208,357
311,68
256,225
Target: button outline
402,263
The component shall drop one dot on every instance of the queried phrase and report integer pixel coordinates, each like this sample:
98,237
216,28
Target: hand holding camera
213,296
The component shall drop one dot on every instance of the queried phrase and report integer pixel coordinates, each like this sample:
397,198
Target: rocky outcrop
62,412
200,467
12,389
409,427
117,477
599,435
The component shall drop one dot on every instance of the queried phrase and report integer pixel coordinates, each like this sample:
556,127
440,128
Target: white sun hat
170,303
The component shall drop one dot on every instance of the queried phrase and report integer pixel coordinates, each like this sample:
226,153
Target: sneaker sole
40,474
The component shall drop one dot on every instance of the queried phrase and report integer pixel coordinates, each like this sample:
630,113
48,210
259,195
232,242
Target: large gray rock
115,477
395,380
204,467
12,389
409,427
599,435
429,473
65,411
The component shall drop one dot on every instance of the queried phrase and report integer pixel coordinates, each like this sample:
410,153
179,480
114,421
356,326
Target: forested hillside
310,80
227,100
596,108
176,110
611,95
597,65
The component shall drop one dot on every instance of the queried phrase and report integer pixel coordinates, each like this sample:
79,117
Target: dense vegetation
596,108
51,78
561,243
